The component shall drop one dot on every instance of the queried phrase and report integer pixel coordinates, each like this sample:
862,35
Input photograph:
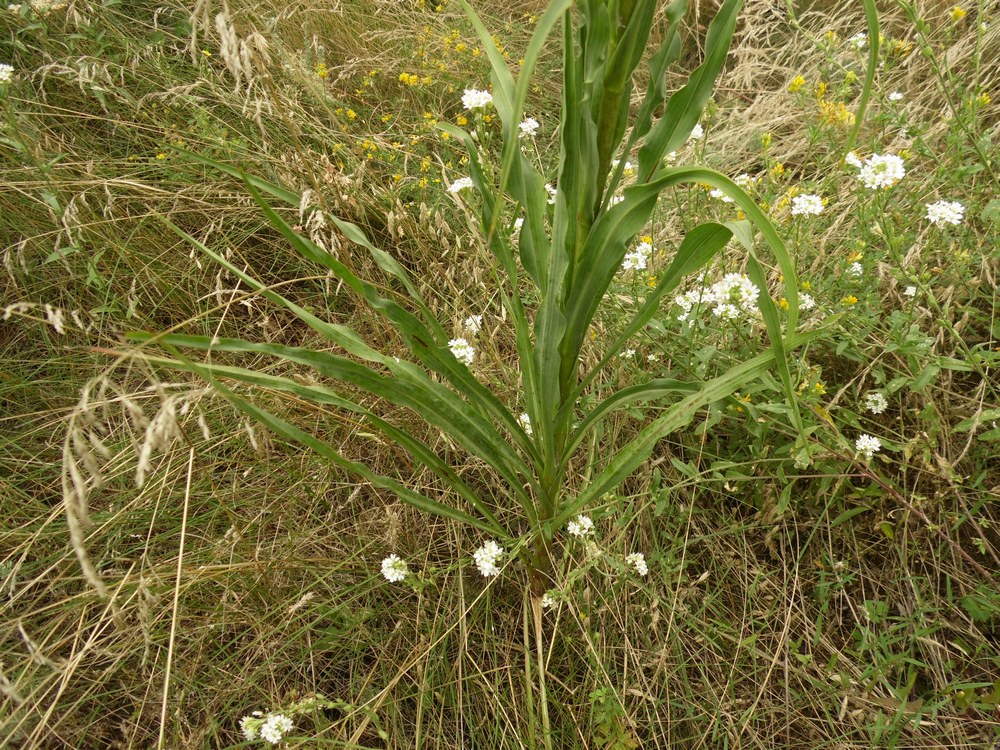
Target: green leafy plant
569,255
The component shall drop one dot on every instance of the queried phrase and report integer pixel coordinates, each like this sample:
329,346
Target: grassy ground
848,604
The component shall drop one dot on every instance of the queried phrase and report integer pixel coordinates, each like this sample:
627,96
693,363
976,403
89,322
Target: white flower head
638,258
476,99
529,127
945,212
486,558
518,223
473,323
548,600
806,301
868,445
248,726
275,727
856,270
525,421
858,41
910,291
6,72
580,526
853,159
394,569
615,200
719,195
807,205
552,193
896,96
463,351
460,184
881,171
732,297
875,402
697,132
638,561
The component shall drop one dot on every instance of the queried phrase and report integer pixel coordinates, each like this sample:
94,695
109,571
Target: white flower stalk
875,402
638,258
868,445
733,297
250,724
806,301
394,569
460,184
463,351
476,99
696,133
945,212
580,526
275,727
525,421
881,171
473,323
807,205
638,561
856,270
6,72
487,557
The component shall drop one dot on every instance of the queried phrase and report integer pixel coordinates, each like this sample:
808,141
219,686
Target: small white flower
462,350
626,354
910,291
718,194
638,258
525,421
745,181
6,72
486,558
248,727
580,526
473,323
945,212
394,569
652,357
671,157
548,600
856,270
697,132
518,223
868,445
881,171
853,160
875,402
806,301
529,127
638,561
476,99
275,727
858,41
807,205
615,200
627,171
552,193
460,184
896,96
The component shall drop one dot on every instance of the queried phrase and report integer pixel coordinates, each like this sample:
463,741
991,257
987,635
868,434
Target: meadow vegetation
808,560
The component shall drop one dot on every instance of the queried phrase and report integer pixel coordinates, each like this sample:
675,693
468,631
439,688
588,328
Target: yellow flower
651,281
783,303
853,256
957,14
806,285
646,238
820,89
206,53
797,83
777,170
850,299
161,156
351,114
851,77
818,388
462,120
983,99
321,71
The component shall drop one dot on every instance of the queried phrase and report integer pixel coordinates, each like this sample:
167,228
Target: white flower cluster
486,558
548,600
627,171
807,205
580,526
880,170
910,291
945,212
463,351
638,561
875,402
806,301
896,96
476,99
732,297
273,728
743,180
868,445
529,127
6,72
856,270
394,569
638,258
858,41
552,193
697,132
460,184
525,421
473,323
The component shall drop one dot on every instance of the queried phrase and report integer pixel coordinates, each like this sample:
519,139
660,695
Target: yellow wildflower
850,299
462,120
797,83
783,303
957,13
321,71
